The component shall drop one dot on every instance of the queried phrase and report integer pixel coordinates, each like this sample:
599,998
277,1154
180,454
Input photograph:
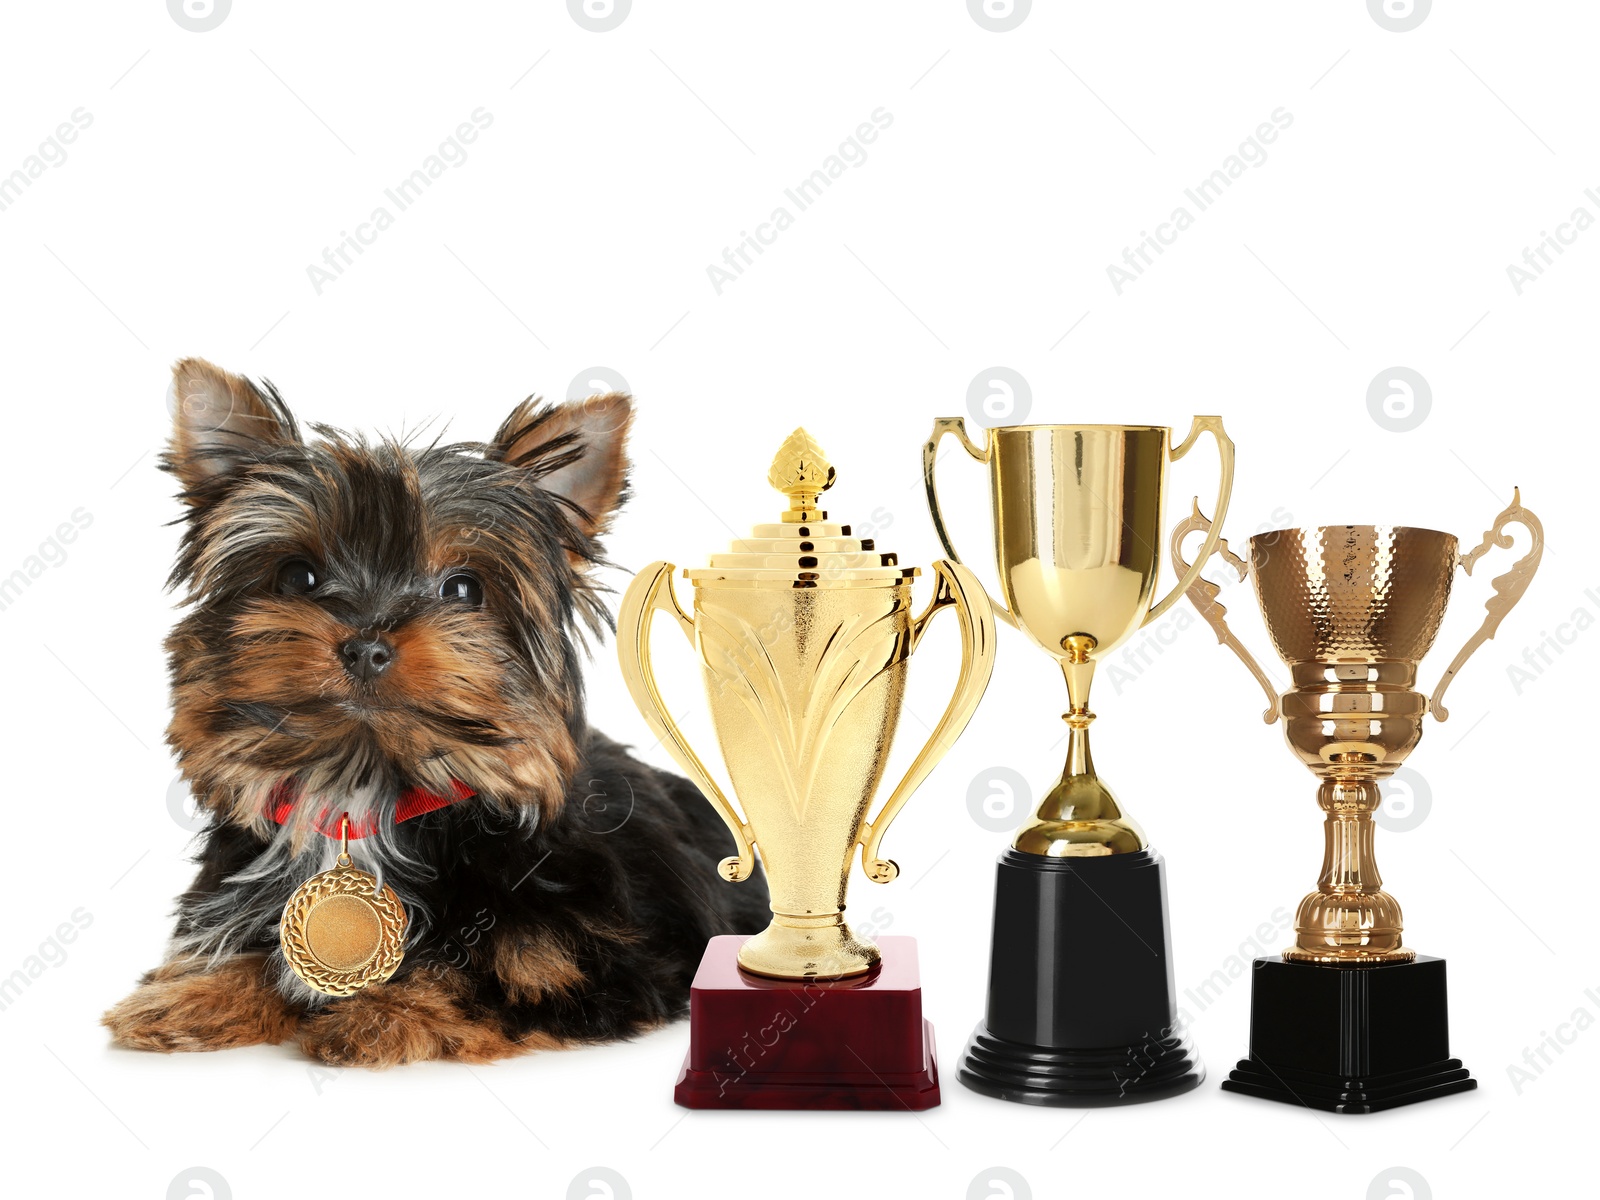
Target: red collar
413,802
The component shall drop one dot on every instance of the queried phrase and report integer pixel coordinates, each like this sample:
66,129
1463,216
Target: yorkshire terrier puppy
373,621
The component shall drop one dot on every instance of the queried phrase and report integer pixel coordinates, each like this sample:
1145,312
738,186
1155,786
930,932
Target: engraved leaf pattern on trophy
855,653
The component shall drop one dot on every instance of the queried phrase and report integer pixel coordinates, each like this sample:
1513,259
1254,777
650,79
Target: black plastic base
1080,1078
1081,999
1349,1039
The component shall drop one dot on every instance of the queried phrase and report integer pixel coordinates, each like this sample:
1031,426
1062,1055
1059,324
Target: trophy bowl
1353,591
1077,523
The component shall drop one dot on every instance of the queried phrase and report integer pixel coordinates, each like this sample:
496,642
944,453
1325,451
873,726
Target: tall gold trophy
804,635
1082,1006
1350,1019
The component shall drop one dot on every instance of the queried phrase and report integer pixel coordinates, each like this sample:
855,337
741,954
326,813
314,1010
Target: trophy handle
1213,426
1203,595
650,590
930,457
1508,588
956,586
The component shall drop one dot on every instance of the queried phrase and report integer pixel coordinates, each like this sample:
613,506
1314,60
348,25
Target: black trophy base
1082,1006
1130,1074
1349,1039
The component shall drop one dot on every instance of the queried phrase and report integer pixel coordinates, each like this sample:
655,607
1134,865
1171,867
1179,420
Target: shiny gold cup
804,635
1352,610
1077,515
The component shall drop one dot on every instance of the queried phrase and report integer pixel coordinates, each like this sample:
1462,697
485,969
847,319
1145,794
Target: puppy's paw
407,1020
184,1006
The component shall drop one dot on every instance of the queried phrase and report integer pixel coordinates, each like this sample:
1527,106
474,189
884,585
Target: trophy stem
1079,760
1080,816
1349,919
1078,668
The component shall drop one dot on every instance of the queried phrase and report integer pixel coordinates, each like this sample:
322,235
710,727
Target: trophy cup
1082,1007
1348,1019
805,634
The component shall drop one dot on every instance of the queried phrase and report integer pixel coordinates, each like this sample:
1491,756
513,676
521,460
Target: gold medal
339,932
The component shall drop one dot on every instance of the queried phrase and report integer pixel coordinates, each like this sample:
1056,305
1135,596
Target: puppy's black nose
367,658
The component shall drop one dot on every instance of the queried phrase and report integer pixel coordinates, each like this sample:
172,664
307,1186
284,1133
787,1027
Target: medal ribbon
413,802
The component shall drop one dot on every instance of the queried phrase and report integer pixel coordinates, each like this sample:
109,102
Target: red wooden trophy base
818,1043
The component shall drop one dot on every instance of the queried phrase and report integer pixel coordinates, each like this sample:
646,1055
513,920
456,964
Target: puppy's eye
463,587
297,577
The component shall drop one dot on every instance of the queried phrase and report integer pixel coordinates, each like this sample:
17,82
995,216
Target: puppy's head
369,615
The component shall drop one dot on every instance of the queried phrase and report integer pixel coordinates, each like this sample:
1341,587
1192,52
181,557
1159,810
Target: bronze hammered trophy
1082,1005
804,635
1348,1019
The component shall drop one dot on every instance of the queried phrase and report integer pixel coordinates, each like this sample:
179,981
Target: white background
978,231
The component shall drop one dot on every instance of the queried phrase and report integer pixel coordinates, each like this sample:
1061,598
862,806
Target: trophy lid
803,549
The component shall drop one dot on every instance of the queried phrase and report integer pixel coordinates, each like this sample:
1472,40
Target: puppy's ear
576,450
221,423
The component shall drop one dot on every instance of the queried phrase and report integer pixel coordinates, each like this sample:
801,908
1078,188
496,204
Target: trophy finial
802,472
